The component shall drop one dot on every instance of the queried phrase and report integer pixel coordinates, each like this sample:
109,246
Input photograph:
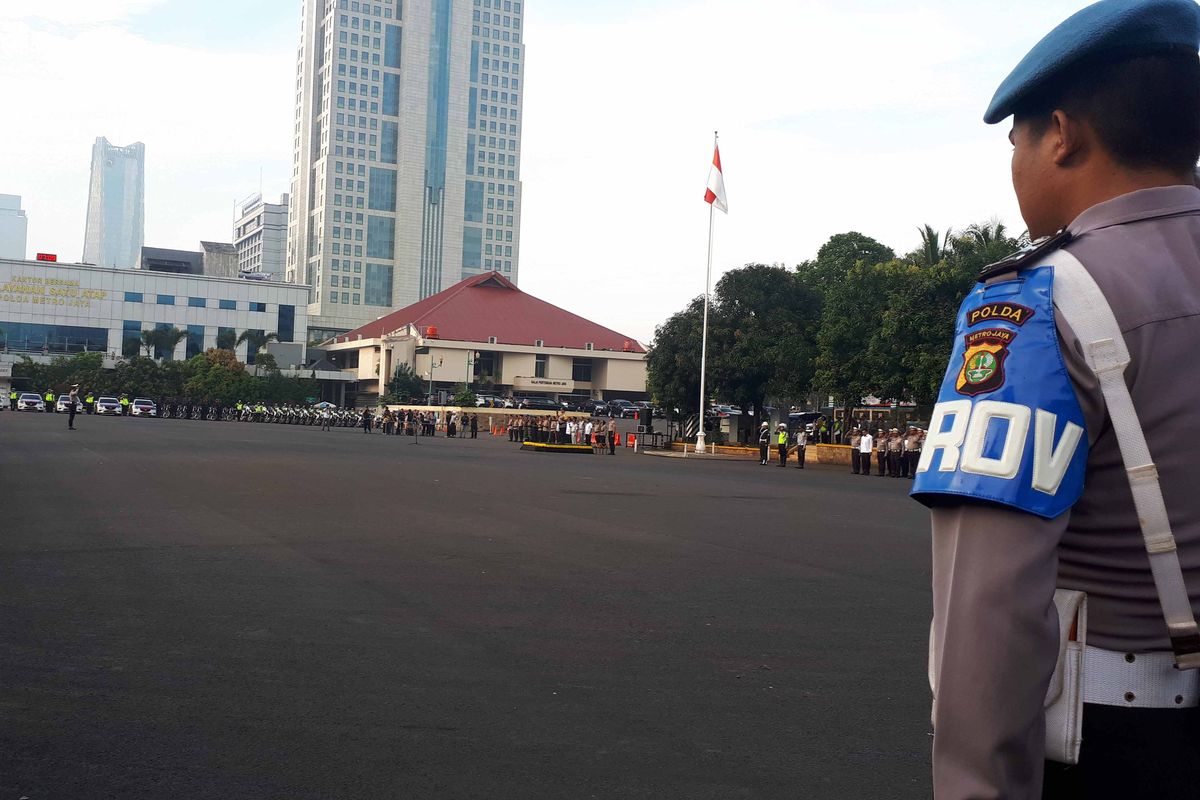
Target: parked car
623,408
597,408
540,404
730,411
141,407
806,418
108,406
63,404
28,401
489,401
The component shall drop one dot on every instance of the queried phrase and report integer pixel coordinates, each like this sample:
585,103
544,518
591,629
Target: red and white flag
715,196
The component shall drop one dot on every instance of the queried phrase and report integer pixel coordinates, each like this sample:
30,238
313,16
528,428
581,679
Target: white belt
1138,680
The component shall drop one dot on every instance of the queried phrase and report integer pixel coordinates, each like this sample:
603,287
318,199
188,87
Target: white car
63,404
28,401
108,406
141,407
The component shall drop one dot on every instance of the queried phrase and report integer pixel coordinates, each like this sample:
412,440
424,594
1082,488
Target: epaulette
1026,256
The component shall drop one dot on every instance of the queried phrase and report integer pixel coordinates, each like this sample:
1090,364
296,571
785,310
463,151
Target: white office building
14,227
116,213
51,309
407,148
260,236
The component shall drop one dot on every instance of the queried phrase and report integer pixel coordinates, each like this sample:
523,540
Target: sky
834,115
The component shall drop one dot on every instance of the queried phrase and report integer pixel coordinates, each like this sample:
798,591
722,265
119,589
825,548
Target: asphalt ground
226,610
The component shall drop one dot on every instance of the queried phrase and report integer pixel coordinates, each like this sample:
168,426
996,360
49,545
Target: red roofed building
487,332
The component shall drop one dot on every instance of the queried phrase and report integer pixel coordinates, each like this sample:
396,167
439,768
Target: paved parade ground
225,610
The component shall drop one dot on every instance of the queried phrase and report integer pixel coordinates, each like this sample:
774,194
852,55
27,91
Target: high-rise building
407,148
14,227
116,205
260,236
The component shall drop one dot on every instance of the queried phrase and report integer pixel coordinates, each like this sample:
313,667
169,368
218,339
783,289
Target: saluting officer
1081,352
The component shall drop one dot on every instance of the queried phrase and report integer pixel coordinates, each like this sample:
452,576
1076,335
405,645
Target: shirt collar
1163,201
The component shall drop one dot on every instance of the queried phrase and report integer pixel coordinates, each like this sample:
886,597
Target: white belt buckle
1138,680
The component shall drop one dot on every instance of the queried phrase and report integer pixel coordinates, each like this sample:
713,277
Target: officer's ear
1072,138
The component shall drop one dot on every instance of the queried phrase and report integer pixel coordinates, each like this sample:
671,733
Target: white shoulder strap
1083,305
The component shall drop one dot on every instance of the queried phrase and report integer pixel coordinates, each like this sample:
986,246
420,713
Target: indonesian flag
715,196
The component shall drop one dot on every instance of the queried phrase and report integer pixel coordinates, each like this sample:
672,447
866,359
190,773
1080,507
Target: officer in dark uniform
1106,134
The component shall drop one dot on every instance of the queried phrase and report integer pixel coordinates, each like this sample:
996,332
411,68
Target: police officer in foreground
1031,500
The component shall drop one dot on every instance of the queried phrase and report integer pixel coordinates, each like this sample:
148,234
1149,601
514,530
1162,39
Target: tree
934,247
226,339
763,335
161,340
255,341
404,385
464,397
673,362
839,255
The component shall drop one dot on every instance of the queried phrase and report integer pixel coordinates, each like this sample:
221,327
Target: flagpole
700,444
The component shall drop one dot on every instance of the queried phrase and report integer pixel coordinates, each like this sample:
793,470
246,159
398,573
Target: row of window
509,5
195,302
495,33
366,8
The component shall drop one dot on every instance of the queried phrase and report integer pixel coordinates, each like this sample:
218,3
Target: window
195,340
162,352
378,290
382,193
474,202
391,94
258,306
131,337
133,297
226,338
539,365
166,299
472,247
388,142
391,48
381,237
196,302
581,370
286,327
227,305
249,354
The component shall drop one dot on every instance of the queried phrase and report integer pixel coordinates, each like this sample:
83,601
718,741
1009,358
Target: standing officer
855,439
912,452
12,399
881,452
49,398
801,444
72,402
781,442
864,450
1106,134
895,454
89,403
764,442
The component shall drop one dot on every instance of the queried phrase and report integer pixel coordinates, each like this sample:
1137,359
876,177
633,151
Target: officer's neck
1105,180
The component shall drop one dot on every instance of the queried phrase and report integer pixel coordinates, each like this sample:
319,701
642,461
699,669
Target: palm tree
162,340
934,246
256,341
985,234
226,339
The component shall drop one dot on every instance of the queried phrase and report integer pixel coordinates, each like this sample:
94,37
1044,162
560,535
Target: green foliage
227,339
854,321
256,340
839,255
404,386
161,340
214,376
464,396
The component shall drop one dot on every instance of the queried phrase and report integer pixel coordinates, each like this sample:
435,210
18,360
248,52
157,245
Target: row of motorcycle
277,414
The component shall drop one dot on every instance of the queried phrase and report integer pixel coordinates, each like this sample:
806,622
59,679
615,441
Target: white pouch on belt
1064,695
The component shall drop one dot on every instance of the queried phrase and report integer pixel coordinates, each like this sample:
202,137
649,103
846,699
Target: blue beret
1110,28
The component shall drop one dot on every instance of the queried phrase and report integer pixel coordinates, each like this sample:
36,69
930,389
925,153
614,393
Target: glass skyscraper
116,212
406,152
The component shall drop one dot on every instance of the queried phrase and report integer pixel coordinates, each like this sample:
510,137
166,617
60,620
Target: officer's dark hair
1145,110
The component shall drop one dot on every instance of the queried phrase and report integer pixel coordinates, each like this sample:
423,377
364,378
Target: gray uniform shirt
995,569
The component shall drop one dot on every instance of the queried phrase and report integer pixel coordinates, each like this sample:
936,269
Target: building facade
14,227
260,236
53,308
116,212
406,152
487,333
